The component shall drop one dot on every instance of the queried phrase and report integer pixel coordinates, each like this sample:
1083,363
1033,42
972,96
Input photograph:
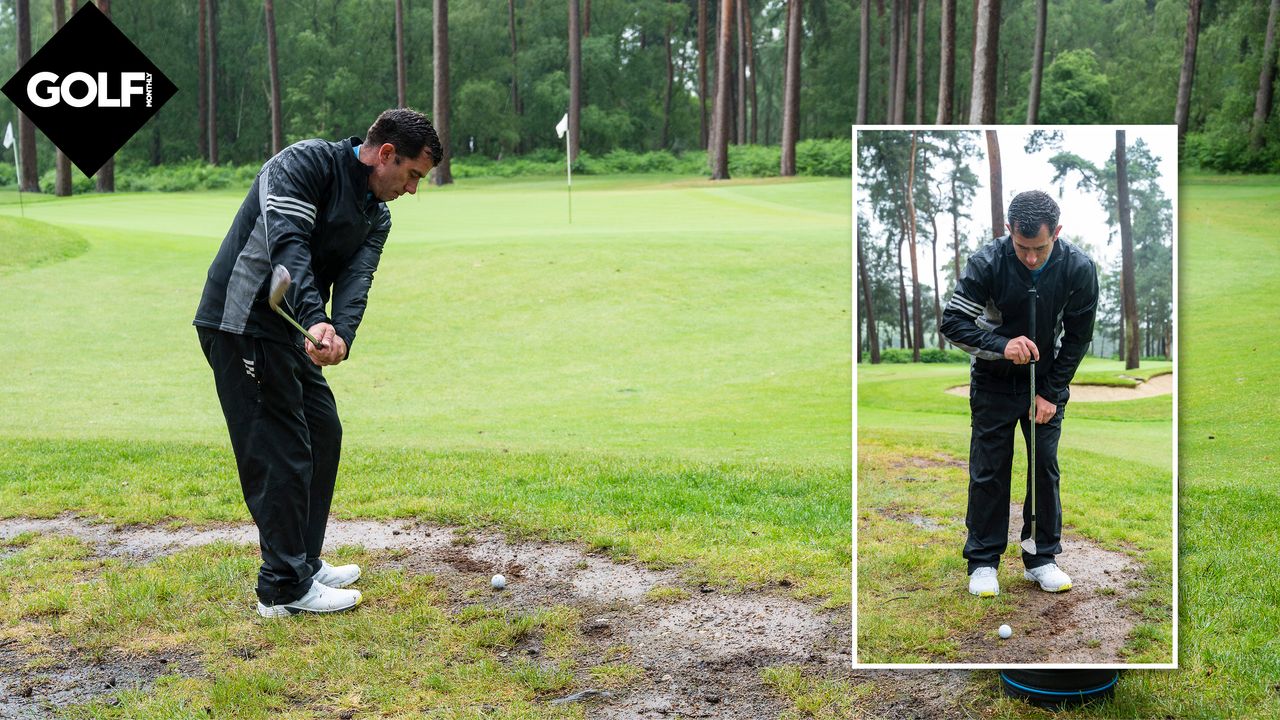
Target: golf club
279,284
1029,545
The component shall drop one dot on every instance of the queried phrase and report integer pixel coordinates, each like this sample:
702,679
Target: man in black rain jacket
988,317
319,209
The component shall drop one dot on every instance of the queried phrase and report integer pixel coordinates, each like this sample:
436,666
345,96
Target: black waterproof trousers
287,438
994,416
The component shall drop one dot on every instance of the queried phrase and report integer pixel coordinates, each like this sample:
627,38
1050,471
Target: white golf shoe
983,582
1051,579
319,599
337,577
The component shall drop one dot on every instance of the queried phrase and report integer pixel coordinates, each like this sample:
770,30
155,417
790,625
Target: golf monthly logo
89,89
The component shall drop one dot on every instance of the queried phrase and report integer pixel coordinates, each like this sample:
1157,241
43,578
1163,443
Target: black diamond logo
89,89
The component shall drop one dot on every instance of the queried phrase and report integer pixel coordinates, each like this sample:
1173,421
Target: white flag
562,127
8,135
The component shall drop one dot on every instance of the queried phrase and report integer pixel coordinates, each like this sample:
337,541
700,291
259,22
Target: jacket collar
358,171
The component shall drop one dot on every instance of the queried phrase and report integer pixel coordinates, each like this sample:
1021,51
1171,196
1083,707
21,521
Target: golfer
988,317
319,209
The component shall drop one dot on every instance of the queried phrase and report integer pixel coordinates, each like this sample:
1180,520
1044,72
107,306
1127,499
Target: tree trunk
997,191
515,71
273,77
791,95
1126,256
202,93
873,339
62,165
917,322
955,225
864,59
986,40
213,82
702,72
720,130
903,316
904,52
575,81
401,92
937,297
1262,104
751,67
443,174
1182,110
28,172
1037,62
947,64
920,63
586,20
106,177
890,99
740,132
666,97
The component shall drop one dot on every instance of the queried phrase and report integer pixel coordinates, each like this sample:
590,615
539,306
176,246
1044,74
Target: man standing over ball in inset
318,209
988,317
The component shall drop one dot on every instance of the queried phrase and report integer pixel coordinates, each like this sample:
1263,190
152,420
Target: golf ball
499,582
1006,632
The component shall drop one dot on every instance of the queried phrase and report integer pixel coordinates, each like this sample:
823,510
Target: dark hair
408,130
1030,210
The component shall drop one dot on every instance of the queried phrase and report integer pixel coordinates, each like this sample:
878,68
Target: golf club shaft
1031,474
294,323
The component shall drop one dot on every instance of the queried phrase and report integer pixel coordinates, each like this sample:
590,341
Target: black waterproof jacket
308,209
990,306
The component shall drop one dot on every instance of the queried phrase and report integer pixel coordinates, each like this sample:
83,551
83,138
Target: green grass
732,524
665,379
26,244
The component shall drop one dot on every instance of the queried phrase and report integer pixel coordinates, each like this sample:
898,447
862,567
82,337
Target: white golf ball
1006,632
499,582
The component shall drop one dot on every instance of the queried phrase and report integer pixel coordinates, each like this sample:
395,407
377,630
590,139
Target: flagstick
18,174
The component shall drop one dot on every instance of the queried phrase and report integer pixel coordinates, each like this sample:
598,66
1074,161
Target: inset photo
1015,397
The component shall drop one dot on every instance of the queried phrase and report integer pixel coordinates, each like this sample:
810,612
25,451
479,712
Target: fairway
1117,500
665,380
688,321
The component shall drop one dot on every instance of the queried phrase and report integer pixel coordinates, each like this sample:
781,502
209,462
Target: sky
1082,212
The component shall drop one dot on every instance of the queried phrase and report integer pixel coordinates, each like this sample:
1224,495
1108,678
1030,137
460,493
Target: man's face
394,176
1034,251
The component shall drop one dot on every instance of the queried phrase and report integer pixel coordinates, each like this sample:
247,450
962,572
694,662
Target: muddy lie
32,687
1087,624
702,649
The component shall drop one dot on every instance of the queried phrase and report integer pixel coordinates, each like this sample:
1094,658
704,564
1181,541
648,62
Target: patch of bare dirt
914,694
702,654
896,512
920,461
1158,385
76,678
1087,624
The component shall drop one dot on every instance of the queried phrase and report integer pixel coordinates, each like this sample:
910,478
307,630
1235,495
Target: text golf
79,89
